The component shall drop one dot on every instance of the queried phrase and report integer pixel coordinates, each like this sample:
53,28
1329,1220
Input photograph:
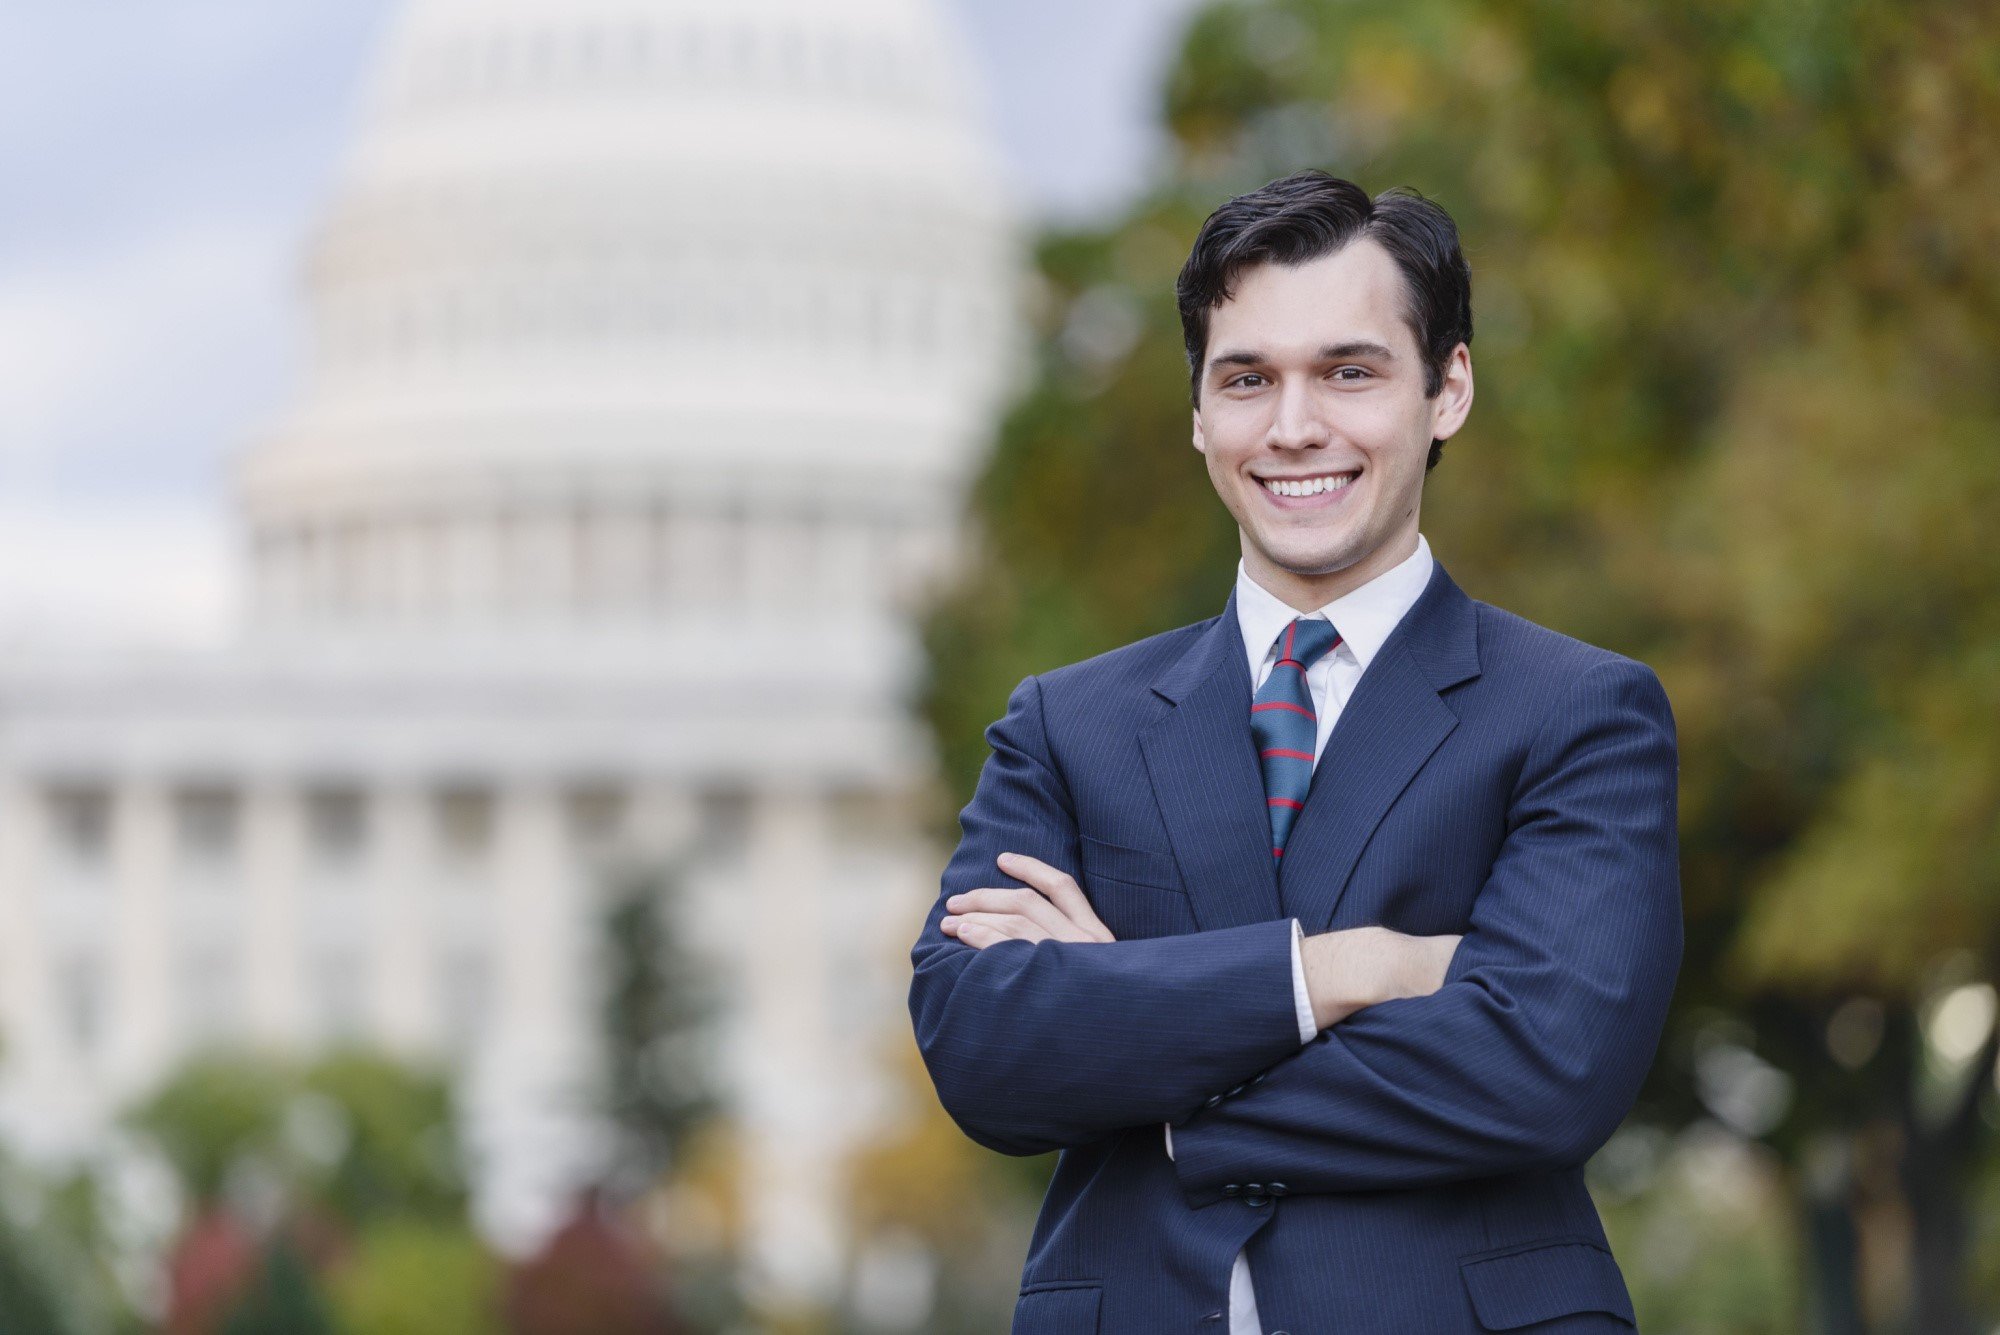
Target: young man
1368,890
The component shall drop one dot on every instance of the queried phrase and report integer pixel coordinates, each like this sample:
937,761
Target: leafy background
1735,304
1738,319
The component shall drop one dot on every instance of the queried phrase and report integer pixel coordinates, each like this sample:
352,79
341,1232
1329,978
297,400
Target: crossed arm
1351,969
1526,1057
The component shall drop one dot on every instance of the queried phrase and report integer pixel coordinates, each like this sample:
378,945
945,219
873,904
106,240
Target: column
274,962
140,1007
399,936
792,1155
534,934
30,1019
529,1094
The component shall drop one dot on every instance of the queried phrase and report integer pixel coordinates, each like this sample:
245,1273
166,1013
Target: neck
1307,592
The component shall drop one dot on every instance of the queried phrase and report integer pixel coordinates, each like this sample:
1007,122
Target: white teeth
1311,486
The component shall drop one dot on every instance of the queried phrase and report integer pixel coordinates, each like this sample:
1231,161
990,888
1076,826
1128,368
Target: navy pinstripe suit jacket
1420,1163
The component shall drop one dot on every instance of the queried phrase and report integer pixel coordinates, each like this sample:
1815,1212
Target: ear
1200,440
1454,399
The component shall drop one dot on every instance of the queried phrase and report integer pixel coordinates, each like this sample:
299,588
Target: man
1368,890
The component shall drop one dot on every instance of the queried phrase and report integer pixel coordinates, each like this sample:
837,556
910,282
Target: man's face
1312,375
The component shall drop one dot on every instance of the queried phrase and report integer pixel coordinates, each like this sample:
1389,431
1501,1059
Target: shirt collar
1364,616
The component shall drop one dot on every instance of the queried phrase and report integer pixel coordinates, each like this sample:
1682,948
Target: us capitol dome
653,345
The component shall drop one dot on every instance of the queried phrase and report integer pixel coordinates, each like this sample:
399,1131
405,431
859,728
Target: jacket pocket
1065,1309
1134,866
1541,1281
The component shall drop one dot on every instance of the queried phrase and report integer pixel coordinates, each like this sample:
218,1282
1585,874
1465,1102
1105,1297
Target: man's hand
1051,907
1355,968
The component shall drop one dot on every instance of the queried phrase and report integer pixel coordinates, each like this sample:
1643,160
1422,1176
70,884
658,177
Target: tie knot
1307,640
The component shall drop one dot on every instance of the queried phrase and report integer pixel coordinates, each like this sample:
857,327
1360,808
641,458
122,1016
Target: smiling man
1326,938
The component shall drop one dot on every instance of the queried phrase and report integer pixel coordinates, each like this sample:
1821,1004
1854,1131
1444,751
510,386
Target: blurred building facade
654,343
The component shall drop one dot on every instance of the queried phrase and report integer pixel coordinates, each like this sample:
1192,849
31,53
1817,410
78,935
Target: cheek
1378,422
1233,437
1391,431
1225,478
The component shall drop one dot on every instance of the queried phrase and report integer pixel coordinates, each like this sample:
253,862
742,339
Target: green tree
298,1160
655,1011
416,1277
282,1298
389,1125
30,1302
219,1112
358,1134
657,1005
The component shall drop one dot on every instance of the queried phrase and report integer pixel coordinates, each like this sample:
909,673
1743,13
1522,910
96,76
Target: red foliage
595,1274
207,1271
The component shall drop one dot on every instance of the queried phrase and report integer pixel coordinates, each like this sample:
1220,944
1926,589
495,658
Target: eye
1242,381
1360,373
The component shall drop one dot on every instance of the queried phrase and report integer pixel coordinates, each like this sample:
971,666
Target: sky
162,165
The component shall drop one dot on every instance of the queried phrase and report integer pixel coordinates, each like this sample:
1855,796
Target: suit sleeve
1533,1050
1042,1045
1301,1004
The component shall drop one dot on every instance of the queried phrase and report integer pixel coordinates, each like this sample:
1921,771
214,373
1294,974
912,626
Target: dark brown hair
1310,214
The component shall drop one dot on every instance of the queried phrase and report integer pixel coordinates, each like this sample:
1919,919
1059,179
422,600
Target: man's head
1327,337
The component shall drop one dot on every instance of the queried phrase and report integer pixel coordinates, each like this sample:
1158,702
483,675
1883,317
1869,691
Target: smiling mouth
1308,486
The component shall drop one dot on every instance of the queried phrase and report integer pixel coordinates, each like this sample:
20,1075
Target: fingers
1060,888
1051,906
980,930
1018,902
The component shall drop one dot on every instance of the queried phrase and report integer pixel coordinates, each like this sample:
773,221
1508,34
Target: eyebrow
1360,347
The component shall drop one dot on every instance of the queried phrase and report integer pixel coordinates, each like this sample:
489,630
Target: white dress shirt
1364,616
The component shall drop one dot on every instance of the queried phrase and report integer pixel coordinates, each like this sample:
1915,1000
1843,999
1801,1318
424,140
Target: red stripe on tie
1280,704
1289,755
1286,802
1277,852
1290,631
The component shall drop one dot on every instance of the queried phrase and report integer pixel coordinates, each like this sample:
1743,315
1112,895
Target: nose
1296,424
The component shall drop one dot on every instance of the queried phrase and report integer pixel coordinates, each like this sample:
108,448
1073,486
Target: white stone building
654,343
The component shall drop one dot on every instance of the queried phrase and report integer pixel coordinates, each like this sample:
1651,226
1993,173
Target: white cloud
162,163
116,358
106,572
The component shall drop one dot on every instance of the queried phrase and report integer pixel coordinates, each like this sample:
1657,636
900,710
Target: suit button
1211,1100
1238,1090
1254,1188
1276,1188
1256,1202
1257,1077
1231,1189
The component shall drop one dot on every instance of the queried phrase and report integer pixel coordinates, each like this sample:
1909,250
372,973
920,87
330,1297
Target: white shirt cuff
1301,1004
1301,999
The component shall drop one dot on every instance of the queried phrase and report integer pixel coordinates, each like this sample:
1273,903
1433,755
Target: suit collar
1364,616
1202,761
1440,632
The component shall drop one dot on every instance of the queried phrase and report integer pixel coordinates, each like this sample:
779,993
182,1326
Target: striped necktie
1285,724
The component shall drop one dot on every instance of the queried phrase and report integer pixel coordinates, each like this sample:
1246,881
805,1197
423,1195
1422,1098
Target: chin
1319,559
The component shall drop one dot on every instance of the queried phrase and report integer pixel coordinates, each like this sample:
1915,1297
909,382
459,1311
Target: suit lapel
1202,761
1392,724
